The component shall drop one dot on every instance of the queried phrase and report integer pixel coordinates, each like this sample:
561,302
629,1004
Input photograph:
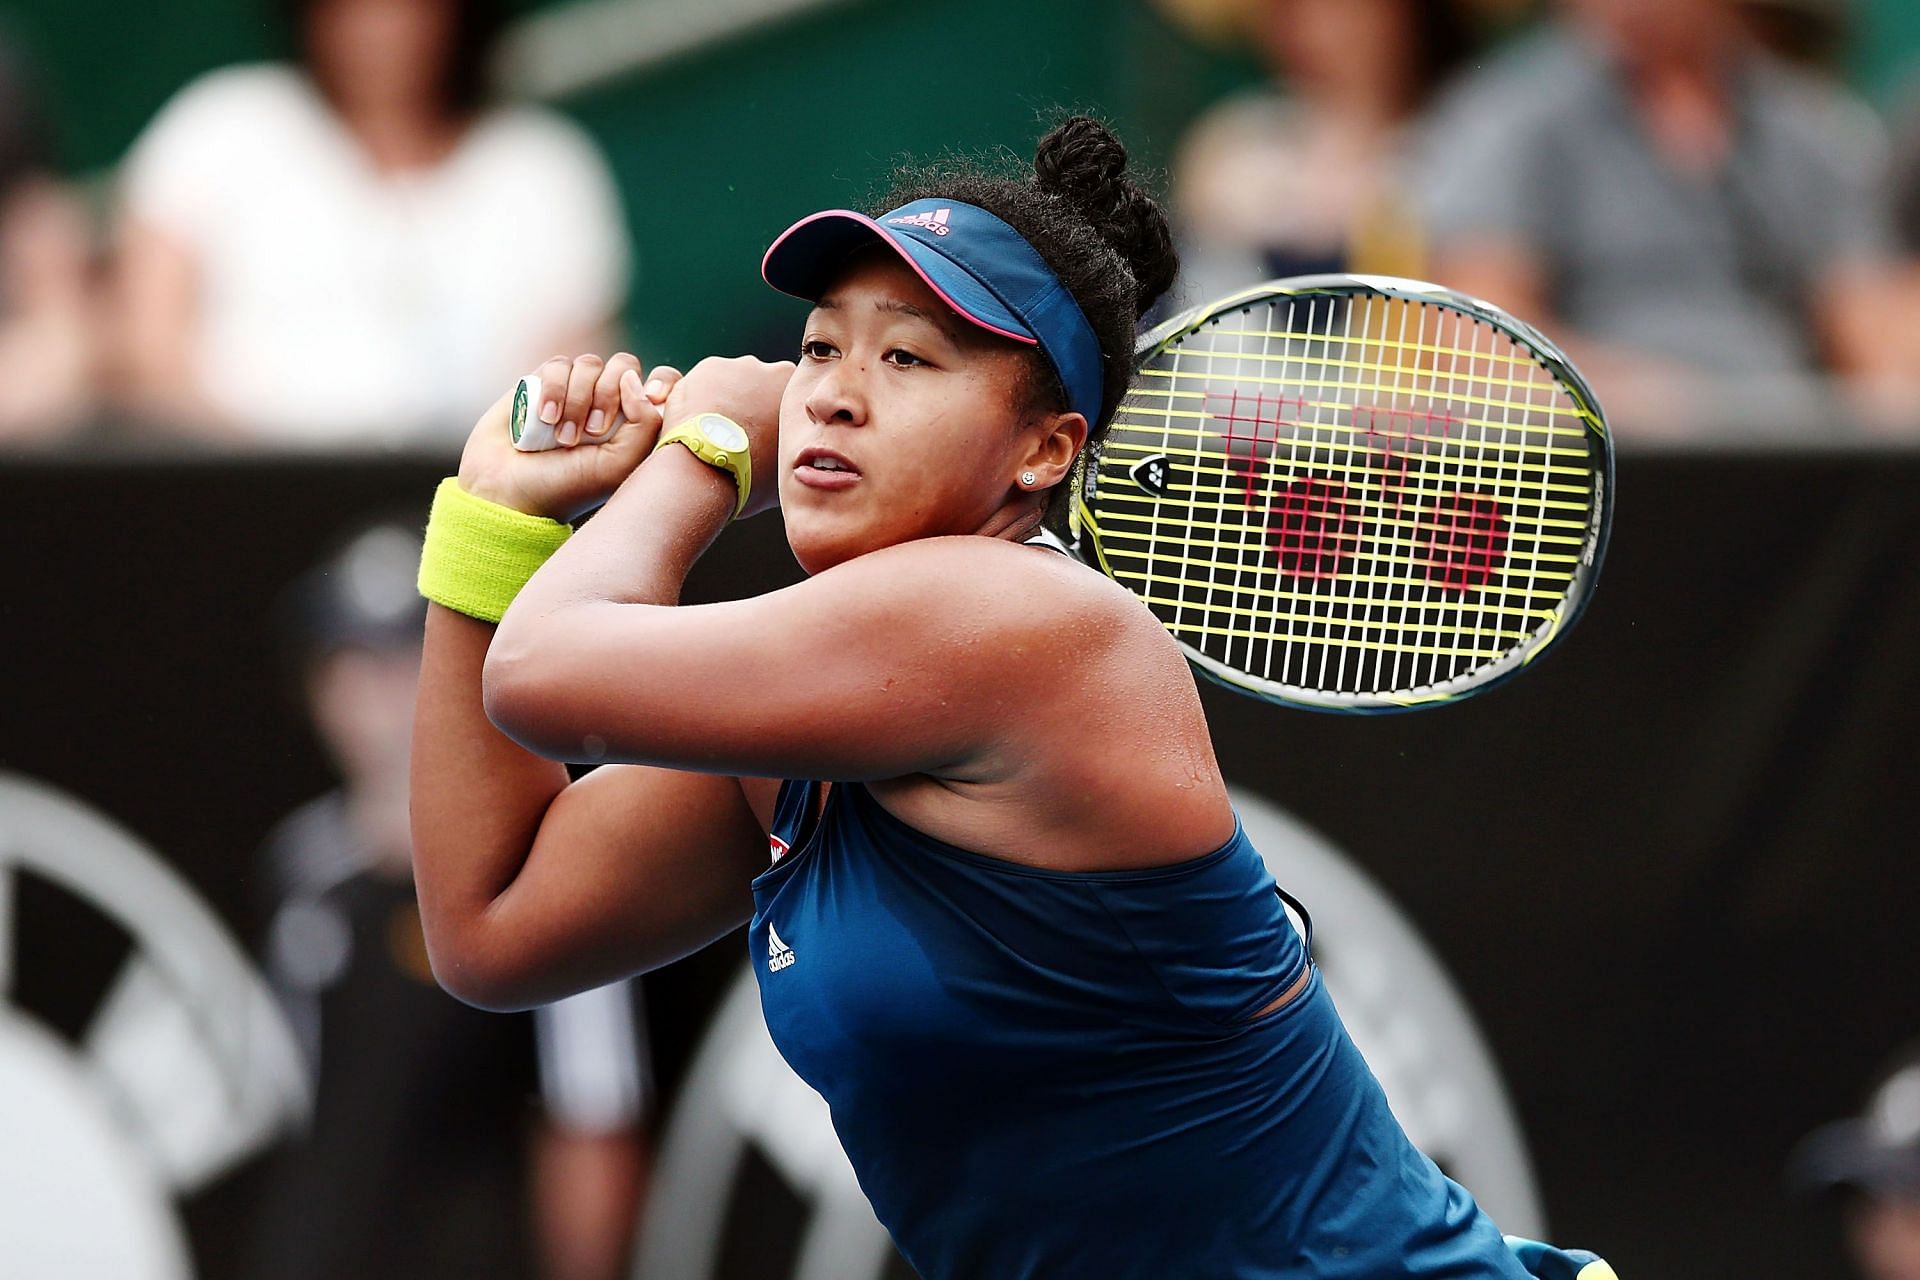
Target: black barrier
1672,869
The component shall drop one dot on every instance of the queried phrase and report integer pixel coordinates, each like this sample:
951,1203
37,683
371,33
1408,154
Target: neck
1368,103
399,133
1017,521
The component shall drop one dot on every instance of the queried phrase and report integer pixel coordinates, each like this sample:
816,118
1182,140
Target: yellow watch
718,441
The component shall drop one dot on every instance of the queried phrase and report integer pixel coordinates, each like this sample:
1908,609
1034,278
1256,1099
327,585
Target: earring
1027,478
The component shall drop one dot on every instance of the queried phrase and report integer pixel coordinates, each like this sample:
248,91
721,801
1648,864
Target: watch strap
735,462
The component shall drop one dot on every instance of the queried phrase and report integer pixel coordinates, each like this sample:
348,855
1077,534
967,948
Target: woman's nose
839,396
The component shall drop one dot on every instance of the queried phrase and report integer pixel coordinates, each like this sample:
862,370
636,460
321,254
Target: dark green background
718,151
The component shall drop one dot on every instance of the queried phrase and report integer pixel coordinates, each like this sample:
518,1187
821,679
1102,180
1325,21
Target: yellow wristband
478,554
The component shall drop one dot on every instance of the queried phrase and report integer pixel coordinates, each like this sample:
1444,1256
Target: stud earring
1027,478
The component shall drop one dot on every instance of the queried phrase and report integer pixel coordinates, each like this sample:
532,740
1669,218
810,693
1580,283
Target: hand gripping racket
1352,493
528,433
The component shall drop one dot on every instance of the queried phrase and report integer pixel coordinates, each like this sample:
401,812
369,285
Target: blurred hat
363,597
1877,1151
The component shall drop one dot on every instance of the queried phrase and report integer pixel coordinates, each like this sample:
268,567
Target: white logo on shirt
777,847
779,954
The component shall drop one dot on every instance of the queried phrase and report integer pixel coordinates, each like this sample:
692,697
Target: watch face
723,431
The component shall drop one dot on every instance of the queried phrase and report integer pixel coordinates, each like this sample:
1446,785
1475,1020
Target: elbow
474,972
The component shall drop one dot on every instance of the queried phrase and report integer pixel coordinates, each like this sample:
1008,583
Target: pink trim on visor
891,241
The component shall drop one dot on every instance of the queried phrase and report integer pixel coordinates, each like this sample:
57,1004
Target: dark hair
477,25
1101,232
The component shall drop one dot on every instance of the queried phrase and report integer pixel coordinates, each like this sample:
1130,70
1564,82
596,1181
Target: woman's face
381,52
1315,41
902,420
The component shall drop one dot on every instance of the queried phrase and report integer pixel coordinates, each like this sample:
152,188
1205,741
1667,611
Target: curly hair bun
1082,163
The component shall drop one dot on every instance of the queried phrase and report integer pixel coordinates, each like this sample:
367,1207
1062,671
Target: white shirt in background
341,305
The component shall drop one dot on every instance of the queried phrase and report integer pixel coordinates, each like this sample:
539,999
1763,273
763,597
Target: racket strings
1348,494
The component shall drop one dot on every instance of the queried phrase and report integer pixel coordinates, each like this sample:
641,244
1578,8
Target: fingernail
550,412
595,421
569,432
657,389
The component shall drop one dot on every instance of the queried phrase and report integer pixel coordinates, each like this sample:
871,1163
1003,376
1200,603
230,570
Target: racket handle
528,433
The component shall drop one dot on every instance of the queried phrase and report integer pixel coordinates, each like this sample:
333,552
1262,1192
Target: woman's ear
1056,441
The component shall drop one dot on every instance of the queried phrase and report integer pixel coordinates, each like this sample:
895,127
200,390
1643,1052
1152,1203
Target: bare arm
531,887
156,295
1868,319
918,658
925,657
587,1191
47,354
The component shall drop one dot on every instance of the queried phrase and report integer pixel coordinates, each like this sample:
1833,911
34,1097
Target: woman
302,243
1303,174
1014,934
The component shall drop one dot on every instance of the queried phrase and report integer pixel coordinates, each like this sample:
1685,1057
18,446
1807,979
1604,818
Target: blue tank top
1042,1075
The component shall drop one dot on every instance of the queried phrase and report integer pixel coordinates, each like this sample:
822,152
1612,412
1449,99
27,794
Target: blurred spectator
1301,177
1683,210
1874,1163
429,1157
360,249
47,344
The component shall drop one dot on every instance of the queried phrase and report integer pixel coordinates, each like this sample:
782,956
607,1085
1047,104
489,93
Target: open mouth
825,469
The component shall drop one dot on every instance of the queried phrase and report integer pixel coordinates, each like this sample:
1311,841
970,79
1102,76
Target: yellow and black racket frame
1092,476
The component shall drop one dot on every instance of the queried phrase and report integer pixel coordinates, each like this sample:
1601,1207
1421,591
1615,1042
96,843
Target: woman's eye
816,349
905,359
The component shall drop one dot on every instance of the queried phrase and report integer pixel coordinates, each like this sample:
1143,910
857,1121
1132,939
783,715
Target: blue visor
977,264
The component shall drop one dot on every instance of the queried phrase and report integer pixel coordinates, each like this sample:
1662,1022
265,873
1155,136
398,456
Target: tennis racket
1352,493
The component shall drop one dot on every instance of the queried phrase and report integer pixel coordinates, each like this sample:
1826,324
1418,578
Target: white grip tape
529,434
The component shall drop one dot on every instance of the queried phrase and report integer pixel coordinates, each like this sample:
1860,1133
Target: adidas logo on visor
935,222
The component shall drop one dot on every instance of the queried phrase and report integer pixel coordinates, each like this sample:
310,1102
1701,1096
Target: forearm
477,798
587,1192
638,549
633,556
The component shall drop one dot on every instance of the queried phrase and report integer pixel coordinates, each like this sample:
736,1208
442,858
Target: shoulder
235,98
1259,117
221,133
1539,81
524,134
1030,582
1821,120
985,606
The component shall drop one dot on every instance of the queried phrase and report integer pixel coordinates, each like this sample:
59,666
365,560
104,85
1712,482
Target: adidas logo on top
779,954
935,222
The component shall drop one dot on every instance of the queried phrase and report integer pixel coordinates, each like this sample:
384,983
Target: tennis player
1011,928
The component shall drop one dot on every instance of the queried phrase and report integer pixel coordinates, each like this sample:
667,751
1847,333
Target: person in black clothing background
446,1142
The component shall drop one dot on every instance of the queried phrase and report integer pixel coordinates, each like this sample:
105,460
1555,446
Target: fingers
581,377
553,374
644,401
606,410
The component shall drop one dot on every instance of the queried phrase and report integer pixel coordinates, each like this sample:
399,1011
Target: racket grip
528,433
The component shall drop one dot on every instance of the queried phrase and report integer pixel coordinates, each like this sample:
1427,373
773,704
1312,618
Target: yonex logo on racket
779,954
935,222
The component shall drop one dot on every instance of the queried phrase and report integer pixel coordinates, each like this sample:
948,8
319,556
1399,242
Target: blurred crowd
359,245
1683,192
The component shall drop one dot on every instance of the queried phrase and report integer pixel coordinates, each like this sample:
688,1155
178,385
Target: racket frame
1083,536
